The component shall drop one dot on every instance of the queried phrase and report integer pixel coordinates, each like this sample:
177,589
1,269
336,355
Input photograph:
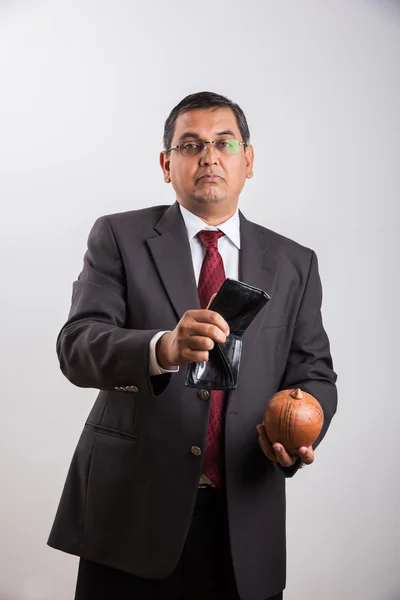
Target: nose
209,156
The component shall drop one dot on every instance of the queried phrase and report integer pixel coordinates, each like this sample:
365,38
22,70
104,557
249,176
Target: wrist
162,352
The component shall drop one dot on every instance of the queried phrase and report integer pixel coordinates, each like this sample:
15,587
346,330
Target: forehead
206,122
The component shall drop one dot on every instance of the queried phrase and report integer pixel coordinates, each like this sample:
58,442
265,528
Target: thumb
211,299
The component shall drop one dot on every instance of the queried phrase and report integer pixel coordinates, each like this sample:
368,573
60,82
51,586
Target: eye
222,144
190,146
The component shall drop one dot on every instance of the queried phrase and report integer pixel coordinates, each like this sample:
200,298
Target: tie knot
210,238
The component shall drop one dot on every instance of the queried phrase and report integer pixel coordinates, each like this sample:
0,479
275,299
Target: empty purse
238,303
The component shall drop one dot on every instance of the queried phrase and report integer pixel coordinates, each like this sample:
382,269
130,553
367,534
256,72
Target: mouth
210,177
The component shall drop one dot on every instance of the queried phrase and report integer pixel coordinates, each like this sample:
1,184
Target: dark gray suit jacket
132,484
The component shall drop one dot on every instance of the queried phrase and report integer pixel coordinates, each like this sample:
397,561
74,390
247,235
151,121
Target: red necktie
212,276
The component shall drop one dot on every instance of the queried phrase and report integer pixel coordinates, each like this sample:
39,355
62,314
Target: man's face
211,177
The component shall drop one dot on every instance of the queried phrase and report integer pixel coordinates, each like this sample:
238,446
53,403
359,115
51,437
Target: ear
165,165
249,158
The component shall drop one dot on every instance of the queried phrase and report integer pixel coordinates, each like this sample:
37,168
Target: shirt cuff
154,367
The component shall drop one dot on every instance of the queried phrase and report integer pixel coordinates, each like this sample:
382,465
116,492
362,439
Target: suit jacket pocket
118,415
110,431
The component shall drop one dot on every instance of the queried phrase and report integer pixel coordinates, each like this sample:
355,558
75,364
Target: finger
212,317
219,320
206,330
192,356
211,299
265,444
200,342
306,455
283,457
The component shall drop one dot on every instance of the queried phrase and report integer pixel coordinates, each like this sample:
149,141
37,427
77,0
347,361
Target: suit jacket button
196,450
204,394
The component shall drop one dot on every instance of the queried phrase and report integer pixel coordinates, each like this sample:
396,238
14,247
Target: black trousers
204,571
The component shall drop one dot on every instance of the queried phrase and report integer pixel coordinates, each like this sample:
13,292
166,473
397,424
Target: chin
210,198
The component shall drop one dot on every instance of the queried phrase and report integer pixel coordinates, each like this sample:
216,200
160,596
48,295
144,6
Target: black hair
204,100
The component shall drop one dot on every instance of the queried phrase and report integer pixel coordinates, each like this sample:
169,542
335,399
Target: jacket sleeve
94,347
309,365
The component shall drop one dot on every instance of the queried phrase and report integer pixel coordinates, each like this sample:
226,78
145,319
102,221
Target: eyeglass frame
178,147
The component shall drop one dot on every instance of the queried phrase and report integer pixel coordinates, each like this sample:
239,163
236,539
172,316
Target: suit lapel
258,266
173,259
258,263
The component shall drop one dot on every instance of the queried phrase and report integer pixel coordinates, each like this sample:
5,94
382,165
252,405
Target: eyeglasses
225,147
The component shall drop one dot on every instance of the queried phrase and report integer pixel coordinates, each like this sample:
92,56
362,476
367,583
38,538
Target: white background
85,87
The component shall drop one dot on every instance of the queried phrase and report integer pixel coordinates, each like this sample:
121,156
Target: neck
210,217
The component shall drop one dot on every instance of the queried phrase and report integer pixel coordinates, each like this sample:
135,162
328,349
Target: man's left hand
277,453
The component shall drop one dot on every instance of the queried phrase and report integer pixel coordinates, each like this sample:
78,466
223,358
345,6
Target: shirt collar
193,223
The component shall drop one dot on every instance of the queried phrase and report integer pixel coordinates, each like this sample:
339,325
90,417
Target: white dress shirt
228,246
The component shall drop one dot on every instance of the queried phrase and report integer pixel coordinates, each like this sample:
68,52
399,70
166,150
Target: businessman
175,492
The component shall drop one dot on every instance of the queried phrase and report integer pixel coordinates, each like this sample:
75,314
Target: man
173,492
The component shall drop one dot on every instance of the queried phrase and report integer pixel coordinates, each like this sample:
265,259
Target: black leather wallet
238,303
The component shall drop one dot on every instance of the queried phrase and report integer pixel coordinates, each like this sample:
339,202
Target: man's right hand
192,339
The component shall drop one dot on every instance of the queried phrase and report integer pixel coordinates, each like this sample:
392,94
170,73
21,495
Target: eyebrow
192,135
